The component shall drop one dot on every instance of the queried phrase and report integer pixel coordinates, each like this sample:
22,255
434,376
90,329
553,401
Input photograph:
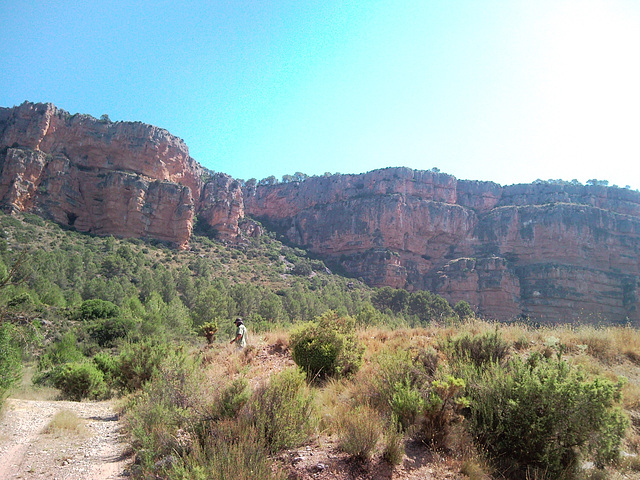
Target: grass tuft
65,421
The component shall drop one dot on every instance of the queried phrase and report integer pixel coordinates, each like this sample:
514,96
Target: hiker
241,334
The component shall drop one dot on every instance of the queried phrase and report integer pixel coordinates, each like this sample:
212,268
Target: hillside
99,317
548,251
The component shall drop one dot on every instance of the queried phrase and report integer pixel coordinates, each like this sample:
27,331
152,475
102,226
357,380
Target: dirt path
27,451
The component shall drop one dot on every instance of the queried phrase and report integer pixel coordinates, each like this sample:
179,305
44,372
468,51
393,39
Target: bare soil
322,460
95,451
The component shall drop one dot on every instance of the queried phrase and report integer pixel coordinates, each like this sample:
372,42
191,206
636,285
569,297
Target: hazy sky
508,91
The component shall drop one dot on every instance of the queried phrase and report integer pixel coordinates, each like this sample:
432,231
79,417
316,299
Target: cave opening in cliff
71,218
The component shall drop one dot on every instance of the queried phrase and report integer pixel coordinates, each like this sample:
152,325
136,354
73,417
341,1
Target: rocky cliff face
549,252
125,178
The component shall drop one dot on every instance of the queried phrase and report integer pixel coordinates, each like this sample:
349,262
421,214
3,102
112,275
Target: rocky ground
322,460
95,450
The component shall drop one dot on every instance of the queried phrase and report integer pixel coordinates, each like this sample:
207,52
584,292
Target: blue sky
508,91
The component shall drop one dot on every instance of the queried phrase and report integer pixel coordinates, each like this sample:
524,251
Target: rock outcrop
553,252
124,178
544,251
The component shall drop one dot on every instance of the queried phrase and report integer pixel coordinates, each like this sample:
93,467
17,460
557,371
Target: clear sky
502,90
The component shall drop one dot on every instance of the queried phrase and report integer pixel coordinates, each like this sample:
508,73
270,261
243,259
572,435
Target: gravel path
27,451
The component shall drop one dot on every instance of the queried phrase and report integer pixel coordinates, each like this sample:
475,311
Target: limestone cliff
544,251
124,178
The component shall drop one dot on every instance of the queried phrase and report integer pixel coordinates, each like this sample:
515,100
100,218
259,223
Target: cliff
124,178
544,251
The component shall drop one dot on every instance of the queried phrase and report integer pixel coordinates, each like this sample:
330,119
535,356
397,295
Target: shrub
10,358
21,301
463,309
479,349
359,431
233,398
540,418
62,351
406,402
442,409
400,383
137,363
106,364
394,444
96,308
106,331
282,411
327,347
163,413
78,381
302,268
230,450
208,330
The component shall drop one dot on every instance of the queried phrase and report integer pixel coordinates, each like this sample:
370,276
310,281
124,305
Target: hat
238,320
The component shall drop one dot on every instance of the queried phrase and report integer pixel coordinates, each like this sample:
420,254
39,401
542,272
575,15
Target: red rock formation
96,144
125,179
221,206
549,252
546,251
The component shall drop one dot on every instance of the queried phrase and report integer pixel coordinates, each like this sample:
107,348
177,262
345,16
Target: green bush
401,381
106,331
407,402
282,411
233,398
480,350
540,418
21,301
137,363
106,364
10,358
95,308
463,309
64,350
78,381
327,347
442,409
164,411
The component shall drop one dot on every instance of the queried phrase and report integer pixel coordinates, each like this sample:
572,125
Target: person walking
241,334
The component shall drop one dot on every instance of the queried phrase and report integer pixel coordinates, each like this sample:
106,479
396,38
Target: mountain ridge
544,251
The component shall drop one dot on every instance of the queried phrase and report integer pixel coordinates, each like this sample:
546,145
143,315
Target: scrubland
338,381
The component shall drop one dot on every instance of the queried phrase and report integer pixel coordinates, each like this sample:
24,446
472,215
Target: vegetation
543,416
377,368
327,347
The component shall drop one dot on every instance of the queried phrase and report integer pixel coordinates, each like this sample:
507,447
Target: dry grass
65,421
359,431
278,340
331,400
26,390
475,469
627,341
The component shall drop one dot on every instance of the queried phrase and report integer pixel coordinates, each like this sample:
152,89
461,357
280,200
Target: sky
504,90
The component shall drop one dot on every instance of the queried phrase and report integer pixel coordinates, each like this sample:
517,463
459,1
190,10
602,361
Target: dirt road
27,451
